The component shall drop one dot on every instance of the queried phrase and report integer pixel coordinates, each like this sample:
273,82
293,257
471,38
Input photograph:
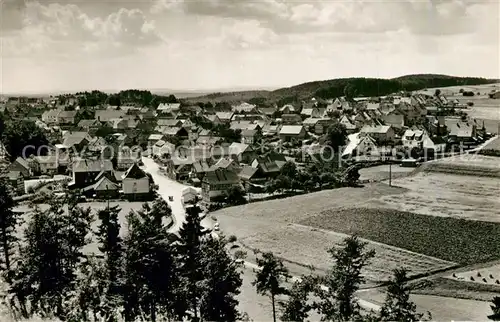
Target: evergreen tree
495,307
269,278
53,249
222,281
151,276
337,302
297,307
190,258
8,221
90,300
108,273
110,244
397,305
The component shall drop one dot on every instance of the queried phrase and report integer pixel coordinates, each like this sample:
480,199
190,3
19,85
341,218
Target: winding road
168,187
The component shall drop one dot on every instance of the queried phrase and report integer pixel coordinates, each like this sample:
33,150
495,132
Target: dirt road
168,187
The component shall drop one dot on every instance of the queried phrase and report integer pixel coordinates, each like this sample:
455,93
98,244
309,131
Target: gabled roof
201,166
247,172
87,165
88,123
224,116
307,111
221,176
172,130
103,184
205,132
375,129
238,148
107,115
311,121
73,138
155,137
244,107
223,163
290,108
168,107
134,172
213,118
51,113
208,140
240,125
169,122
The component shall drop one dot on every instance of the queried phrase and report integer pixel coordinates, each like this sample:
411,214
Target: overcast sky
209,44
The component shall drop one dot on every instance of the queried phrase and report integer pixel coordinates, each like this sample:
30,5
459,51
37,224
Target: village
243,162
227,149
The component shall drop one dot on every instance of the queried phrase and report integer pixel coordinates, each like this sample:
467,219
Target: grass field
465,186
273,226
308,246
455,240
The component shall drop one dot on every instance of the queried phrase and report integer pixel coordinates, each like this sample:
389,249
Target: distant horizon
207,91
201,92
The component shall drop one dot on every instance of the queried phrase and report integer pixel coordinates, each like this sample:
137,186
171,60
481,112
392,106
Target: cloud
66,30
248,34
426,17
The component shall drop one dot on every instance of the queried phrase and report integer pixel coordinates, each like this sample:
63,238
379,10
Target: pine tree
338,302
397,305
495,307
190,258
53,250
297,307
151,276
269,278
8,222
221,282
110,244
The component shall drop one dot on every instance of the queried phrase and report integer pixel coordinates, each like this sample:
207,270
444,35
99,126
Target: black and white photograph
249,160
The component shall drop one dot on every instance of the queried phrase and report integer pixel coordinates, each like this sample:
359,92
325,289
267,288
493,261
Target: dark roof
86,165
134,172
221,176
201,166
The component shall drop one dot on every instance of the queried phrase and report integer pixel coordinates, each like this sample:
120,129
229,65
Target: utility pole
390,173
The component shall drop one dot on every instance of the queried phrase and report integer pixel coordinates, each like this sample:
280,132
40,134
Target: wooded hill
343,87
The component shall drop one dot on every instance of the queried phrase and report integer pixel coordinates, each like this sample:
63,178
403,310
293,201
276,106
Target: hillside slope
338,87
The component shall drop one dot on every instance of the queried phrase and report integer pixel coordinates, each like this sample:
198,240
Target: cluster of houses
182,138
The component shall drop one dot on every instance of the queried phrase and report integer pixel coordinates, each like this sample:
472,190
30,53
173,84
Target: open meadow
455,240
266,227
422,221
465,186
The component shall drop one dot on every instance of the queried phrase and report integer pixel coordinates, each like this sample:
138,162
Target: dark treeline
130,96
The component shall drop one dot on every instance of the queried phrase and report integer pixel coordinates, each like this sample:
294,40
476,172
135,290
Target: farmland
465,186
265,226
455,240
308,246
